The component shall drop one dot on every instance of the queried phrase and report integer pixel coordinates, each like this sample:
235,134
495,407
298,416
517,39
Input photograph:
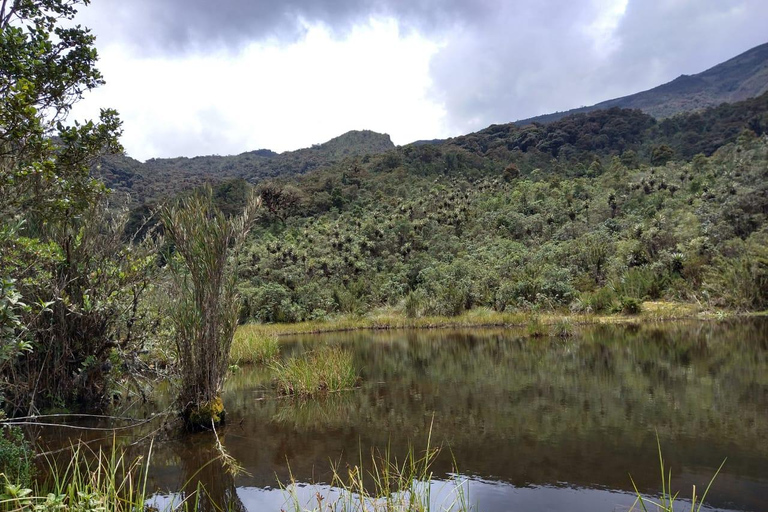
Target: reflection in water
537,424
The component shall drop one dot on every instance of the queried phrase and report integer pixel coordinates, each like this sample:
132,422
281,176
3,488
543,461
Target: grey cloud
504,59
540,60
177,26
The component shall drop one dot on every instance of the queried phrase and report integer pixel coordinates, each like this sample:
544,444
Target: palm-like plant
205,308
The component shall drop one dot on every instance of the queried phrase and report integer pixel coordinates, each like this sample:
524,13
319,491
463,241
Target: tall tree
59,241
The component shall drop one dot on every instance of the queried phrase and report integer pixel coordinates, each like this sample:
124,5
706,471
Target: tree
206,302
280,201
662,154
44,70
56,234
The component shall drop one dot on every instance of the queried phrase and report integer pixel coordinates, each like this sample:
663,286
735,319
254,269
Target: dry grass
482,317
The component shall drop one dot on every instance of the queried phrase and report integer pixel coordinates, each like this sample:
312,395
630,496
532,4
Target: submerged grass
249,347
667,499
385,485
327,369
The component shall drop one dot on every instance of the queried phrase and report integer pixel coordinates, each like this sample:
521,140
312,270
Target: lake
523,424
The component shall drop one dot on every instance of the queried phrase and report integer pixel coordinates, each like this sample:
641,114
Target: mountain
744,76
159,178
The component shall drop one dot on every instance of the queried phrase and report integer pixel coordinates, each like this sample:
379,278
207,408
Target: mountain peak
356,142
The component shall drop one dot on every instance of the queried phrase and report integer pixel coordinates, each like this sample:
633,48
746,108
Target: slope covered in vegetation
594,212
163,178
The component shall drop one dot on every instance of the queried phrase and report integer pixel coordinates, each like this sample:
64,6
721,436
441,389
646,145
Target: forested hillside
163,178
742,77
595,212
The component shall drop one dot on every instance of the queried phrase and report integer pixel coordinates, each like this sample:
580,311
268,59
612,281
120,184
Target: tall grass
324,370
206,301
535,327
386,485
252,347
103,482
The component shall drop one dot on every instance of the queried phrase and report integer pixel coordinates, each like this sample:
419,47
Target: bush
414,304
272,302
742,282
602,300
631,306
16,457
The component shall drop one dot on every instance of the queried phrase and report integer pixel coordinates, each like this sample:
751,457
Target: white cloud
270,95
195,77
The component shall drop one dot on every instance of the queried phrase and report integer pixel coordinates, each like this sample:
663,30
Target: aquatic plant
386,485
535,327
563,328
324,370
667,499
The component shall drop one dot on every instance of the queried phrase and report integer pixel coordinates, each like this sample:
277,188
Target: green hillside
596,212
163,178
744,76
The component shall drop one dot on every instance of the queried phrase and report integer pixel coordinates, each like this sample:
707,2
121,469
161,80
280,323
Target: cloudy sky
199,77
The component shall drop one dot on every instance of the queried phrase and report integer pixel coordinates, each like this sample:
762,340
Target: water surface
533,424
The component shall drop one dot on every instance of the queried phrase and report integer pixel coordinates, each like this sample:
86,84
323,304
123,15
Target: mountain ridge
741,77
165,177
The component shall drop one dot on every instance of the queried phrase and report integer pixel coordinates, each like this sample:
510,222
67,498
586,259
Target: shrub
16,457
602,300
414,303
631,306
272,303
742,282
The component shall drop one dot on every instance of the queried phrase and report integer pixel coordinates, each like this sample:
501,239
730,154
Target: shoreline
652,311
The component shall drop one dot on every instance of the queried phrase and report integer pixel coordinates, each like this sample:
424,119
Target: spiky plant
205,306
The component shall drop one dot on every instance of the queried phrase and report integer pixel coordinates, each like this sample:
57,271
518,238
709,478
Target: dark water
533,424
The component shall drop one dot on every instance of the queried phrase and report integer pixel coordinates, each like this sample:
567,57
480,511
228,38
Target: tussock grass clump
563,328
253,347
535,327
630,306
325,370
